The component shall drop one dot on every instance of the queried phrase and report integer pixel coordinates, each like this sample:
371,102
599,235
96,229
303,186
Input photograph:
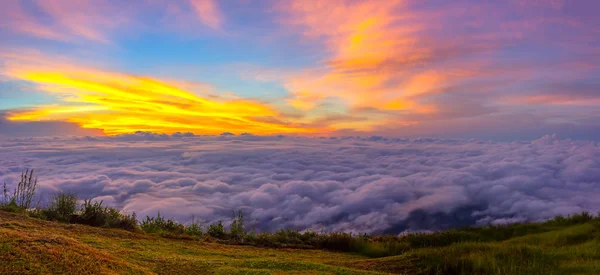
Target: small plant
236,229
194,228
339,241
62,207
23,194
95,214
5,194
251,236
159,224
287,236
115,219
92,213
217,230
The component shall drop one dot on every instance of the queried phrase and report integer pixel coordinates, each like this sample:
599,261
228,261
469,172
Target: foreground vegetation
71,237
34,246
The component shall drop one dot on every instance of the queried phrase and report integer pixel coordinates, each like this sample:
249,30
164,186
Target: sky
504,70
343,115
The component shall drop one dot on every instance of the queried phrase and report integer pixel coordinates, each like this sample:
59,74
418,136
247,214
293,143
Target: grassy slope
34,246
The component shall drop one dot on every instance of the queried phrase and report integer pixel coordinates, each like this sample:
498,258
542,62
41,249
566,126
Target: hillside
33,246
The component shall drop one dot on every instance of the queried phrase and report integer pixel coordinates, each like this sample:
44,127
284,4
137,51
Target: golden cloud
120,103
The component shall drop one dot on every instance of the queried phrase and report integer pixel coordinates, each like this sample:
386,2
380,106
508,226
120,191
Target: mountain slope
33,246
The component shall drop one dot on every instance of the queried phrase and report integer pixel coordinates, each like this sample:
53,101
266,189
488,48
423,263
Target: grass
560,246
34,246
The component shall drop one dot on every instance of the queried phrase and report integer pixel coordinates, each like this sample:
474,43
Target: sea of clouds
355,184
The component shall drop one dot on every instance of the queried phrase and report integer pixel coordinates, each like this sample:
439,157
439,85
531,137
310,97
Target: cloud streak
119,103
64,20
100,21
352,184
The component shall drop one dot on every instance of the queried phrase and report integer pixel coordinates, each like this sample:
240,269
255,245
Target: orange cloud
372,46
120,103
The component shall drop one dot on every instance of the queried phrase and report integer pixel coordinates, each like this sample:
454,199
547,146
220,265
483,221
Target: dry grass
32,246
560,246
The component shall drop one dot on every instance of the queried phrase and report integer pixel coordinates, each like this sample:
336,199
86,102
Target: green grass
560,246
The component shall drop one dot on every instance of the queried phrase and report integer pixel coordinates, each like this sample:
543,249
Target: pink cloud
14,17
208,12
99,20
399,63
381,55
66,20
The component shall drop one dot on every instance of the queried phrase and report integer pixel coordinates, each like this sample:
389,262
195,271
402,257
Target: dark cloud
42,128
373,184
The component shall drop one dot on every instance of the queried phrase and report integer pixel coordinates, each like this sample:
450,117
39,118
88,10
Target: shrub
38,213
62,208
217,230
264,239
572,219
95,214
11,207
251,236
194,228
338,241
287,236
115,219
236,229
309,237
159,224
440,239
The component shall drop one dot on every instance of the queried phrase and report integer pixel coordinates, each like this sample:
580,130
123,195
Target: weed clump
159,224
62,208
22,196
217,230
194,228
94,214
236,230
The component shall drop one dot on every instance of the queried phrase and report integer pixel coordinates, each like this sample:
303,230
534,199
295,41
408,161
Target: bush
440,239
62,208
159,224
217,230
92,213
194,228
95,214
578,218
287,236
12,207
338,241
115,219
236,229
265,239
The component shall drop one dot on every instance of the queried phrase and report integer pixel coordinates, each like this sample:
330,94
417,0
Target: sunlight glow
119,103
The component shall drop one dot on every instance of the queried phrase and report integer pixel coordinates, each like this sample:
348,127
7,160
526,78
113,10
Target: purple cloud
353,184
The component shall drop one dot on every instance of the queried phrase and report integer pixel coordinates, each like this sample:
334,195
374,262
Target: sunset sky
379,116
510,69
